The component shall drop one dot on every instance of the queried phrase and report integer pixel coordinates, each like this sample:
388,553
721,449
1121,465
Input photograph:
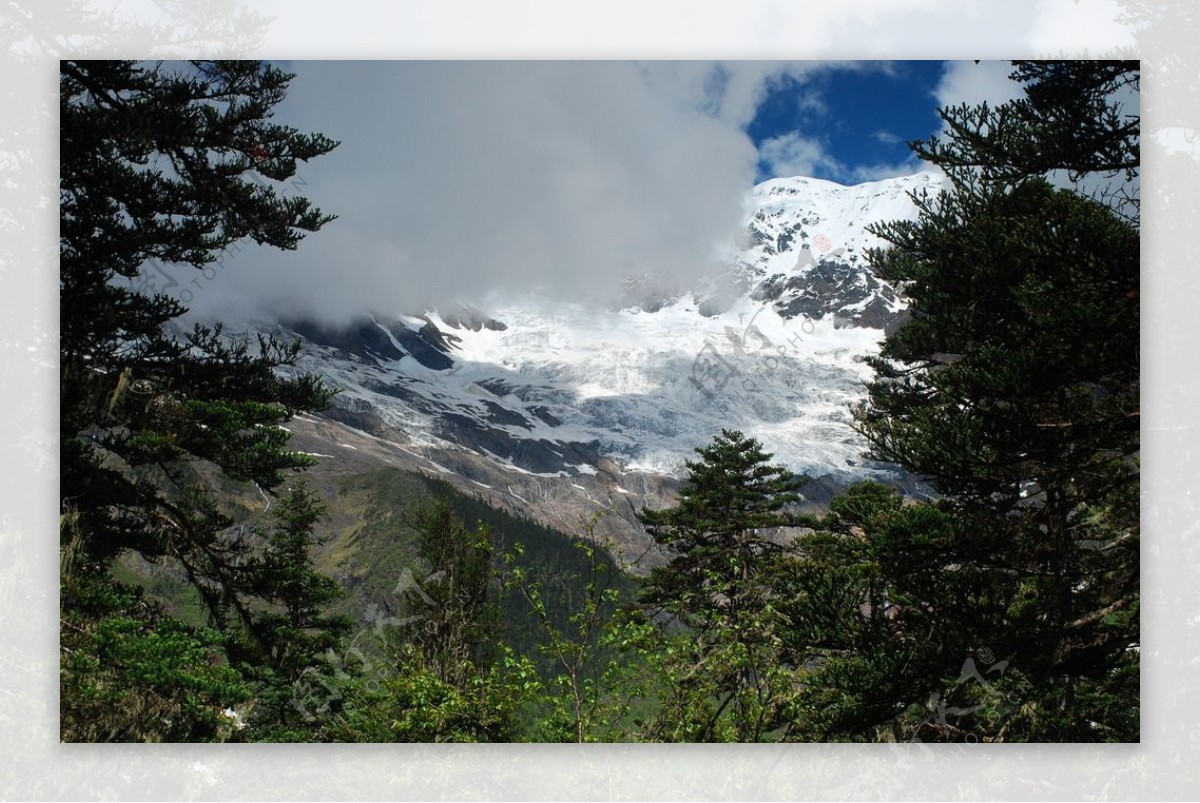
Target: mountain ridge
556,407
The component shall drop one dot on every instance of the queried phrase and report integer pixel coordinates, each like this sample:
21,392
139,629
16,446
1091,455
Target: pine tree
715,531
719,586
883,608
1074,121
447,679
293,636
128,671
1014,388
158,163
454,613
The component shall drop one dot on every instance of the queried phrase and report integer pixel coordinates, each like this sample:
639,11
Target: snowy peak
551,406
829,218
807,241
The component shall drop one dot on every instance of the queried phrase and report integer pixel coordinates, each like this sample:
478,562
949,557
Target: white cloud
733,90
973,83
798,153
457,178
877,172
793,154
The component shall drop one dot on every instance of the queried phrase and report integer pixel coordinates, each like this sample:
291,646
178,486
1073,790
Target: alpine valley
561,411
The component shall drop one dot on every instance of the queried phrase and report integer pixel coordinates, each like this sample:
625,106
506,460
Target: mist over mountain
564,409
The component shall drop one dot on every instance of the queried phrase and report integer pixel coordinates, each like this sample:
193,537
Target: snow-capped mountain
809,241
562,410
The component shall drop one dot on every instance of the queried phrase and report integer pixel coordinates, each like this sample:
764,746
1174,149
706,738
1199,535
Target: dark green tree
454,615
128,671
716,531
1074,111
884,621
719,586
170,164
293,636
1015,389
447,678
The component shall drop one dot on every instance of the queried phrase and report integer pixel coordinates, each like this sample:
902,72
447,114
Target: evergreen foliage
1015,389
156,165
454,615
446,676
293,635
727,679
715,531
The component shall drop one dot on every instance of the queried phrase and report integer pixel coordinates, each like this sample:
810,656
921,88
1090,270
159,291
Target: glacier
556,408
645,384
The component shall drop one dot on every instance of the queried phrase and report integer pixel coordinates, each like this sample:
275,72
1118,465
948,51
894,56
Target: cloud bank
457,178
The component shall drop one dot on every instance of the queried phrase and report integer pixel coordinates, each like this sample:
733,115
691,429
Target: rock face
562,411
807,244
369,340
853,297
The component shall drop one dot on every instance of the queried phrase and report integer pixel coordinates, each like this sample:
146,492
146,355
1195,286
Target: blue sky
862,115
